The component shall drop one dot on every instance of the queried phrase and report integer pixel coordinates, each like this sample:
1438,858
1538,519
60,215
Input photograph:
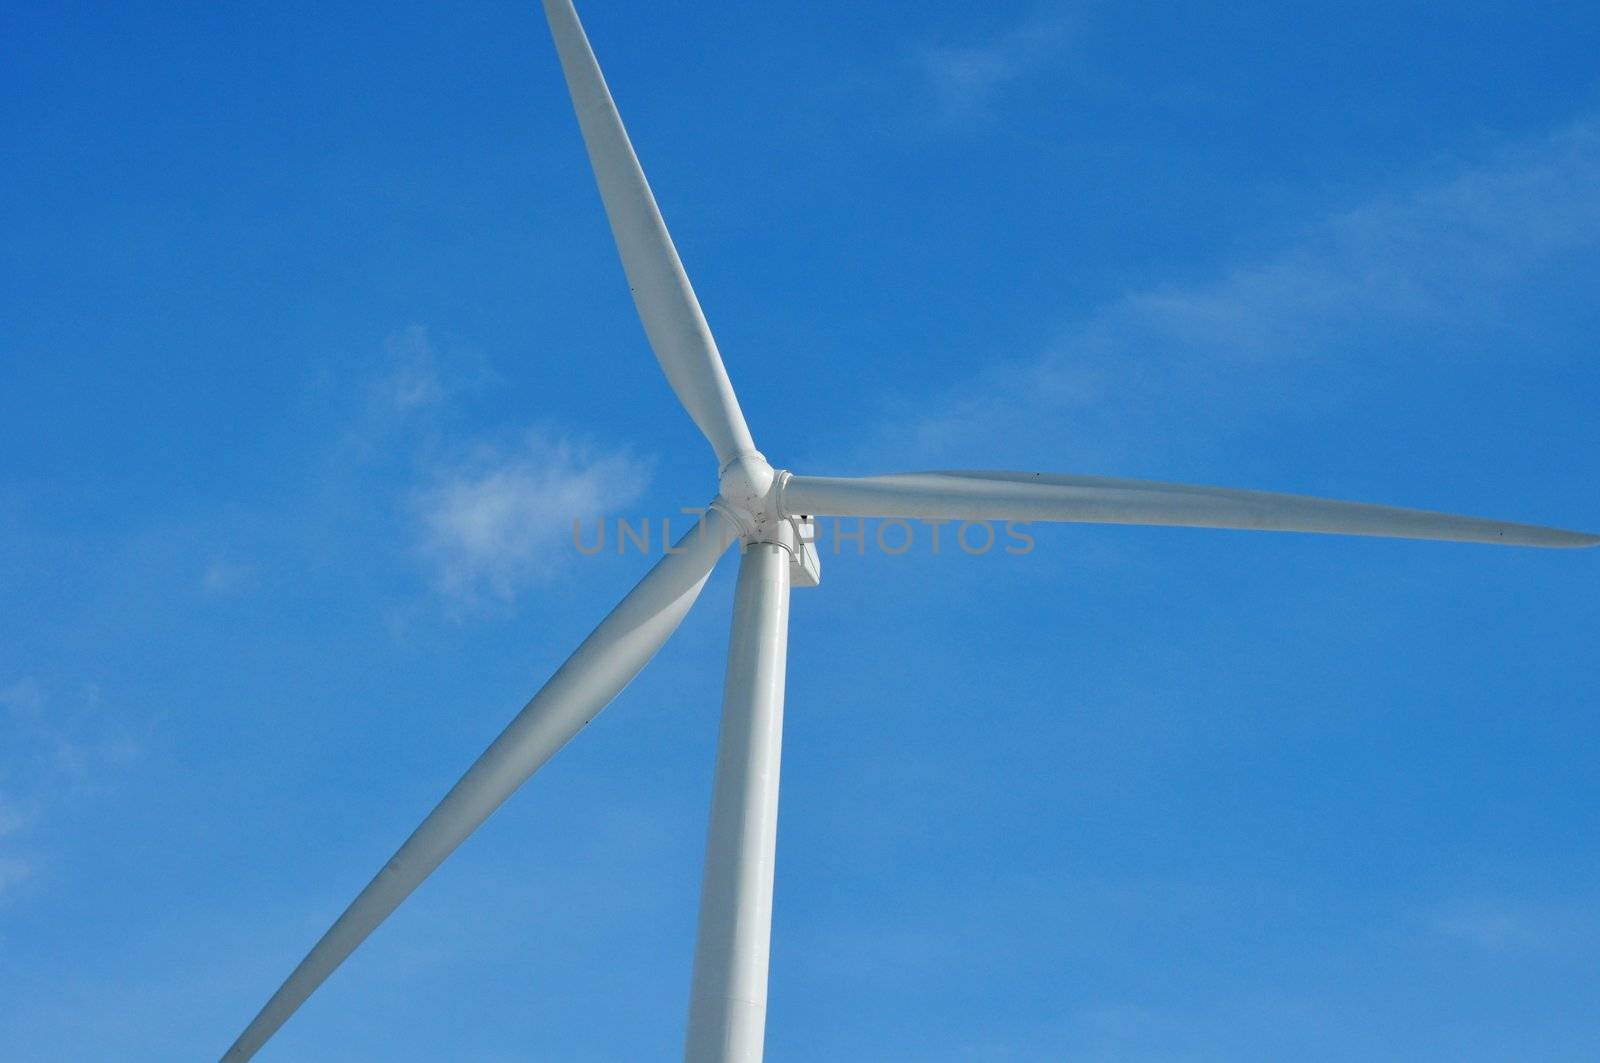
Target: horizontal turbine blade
667,306
1024,496
605,663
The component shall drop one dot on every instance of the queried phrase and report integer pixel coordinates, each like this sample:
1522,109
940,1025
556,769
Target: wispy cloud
417,380
14,870
61,743
499,520
12,817
967,79
414,380
224,576
1517,926
52,748
1397,278
489,506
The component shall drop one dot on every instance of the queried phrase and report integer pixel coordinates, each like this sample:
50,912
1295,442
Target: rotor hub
748,489
751,493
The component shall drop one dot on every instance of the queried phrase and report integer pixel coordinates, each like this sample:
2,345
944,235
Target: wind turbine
769,513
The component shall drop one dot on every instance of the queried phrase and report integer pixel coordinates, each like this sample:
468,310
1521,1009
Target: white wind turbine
767,511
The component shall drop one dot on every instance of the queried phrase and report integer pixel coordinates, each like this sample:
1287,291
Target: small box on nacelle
805,567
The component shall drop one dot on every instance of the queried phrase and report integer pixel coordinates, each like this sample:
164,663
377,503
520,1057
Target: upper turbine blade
605,663
1027,496
671,315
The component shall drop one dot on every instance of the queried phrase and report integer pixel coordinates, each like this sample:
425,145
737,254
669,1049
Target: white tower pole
728,998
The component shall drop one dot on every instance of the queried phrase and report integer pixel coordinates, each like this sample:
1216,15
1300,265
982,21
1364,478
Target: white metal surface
728,995
661,290
1025,496
805,565
597,670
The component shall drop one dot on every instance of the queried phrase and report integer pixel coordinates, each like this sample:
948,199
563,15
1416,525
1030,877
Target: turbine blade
666,302
1023,496
605,663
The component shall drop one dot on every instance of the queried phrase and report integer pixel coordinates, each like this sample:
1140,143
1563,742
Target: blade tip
1560,538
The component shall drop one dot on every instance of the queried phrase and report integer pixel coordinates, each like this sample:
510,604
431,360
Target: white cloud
12,818
1397,278
14,870
1426,254
501,521
23,700
52,749
225,576
1517,927
414,381
966,79
57,746
408,394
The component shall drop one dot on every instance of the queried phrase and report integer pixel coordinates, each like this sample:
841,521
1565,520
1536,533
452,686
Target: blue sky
314,340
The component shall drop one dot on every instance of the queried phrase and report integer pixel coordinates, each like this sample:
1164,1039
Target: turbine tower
769,513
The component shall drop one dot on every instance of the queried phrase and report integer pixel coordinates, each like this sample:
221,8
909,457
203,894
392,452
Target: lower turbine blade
1026,496
605,663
